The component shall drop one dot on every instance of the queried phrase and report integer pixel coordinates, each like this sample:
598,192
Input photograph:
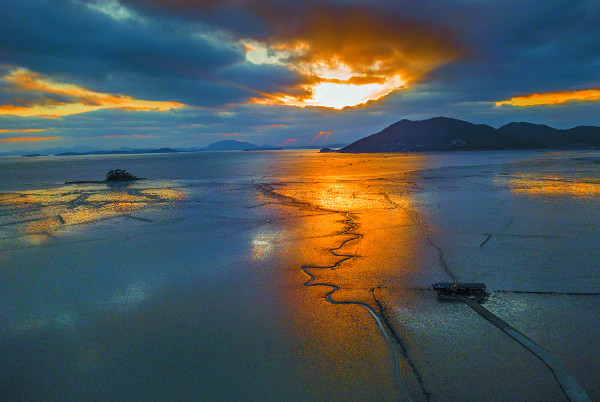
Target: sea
296,275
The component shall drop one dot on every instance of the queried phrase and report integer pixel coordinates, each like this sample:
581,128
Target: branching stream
400,356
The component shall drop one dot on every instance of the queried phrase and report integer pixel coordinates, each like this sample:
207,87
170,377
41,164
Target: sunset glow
286,142
340,95
193,72
55,99
554,185
335,85
553,98
27,139
22,130
226,200
317,137
98,205
349,59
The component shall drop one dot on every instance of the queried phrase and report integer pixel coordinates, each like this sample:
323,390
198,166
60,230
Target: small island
113,176
120,175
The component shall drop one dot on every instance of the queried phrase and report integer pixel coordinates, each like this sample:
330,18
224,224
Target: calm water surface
189,286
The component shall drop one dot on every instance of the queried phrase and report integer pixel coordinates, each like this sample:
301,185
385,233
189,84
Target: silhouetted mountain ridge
229,145
122,151
447,134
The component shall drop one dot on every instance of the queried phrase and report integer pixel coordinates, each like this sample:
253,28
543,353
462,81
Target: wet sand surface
191,285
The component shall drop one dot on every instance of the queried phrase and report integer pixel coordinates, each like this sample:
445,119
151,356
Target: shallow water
189,285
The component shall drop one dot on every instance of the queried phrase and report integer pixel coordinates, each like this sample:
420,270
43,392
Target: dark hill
229,145
445,134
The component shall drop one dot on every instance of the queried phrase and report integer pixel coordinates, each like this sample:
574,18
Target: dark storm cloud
47,34
148,59
191,52
261,78
508,47
523,47
373,41
513,48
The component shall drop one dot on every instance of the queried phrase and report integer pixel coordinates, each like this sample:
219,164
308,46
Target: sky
185,73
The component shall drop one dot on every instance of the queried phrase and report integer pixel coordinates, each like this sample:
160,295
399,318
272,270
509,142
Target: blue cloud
70,41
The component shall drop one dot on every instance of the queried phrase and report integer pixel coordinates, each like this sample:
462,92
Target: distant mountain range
227,145
446,134
436,134
236,145
119,152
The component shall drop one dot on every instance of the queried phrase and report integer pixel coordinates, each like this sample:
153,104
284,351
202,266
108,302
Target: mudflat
298,276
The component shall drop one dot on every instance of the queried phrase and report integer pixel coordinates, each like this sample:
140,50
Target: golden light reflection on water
43,225
29,198
338,343
165,194
376,194
343,195
326,197
48,211
261,248
553,185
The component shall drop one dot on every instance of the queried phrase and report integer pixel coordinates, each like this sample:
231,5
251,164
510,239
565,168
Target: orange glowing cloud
286,142
22,130
11,109
553,98
230,134
317,137
28,139
55,99
344,53
24,80
349,55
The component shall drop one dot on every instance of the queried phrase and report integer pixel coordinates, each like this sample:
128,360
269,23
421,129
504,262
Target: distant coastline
437,134
227,145
119,152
